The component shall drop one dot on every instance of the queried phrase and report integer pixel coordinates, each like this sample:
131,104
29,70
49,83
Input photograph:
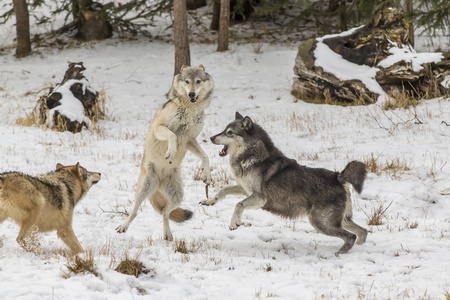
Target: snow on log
368,64
69,106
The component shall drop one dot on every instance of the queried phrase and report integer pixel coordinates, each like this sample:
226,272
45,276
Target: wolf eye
229,132
187,81
198,81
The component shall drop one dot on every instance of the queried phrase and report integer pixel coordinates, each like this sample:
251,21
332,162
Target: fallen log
368,63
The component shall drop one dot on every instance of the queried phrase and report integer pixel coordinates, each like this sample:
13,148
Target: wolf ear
238,116
59,166
77,168
202,67
183,67
247,123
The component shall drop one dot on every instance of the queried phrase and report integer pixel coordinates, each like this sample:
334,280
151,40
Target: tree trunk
222,43
343,16
22,28
215,15
410,9
75,9
180,35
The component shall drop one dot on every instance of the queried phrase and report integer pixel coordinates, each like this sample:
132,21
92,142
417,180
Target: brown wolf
46,202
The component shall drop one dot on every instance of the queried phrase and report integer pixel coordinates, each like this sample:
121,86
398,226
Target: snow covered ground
404,258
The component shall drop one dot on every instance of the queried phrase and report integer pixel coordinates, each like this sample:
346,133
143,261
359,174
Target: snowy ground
404,258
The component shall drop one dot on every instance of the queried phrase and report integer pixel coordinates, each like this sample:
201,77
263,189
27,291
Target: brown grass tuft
83,265
181,247
131,267
377,214
395,166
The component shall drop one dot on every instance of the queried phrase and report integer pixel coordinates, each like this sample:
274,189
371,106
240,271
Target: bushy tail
355,174
178,214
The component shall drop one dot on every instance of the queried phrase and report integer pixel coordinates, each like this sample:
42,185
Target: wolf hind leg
329,222
31,215
3,216
147,185
172,190
348,224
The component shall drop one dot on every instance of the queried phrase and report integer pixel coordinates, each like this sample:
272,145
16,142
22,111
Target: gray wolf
46,201
172,133
275,183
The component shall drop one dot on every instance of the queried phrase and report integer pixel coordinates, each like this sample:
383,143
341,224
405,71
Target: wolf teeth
224,151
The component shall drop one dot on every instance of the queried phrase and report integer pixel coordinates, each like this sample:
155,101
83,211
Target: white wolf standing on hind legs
173,131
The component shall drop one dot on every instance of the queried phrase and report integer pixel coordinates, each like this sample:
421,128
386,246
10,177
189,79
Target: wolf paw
168,237
122,228
206,176
234,225
208,202
170,155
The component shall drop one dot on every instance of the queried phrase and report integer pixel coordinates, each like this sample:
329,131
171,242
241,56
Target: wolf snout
192,96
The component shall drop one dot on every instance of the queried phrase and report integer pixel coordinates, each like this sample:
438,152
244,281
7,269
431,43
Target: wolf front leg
163,133
229,190
254,201
69,238
195,148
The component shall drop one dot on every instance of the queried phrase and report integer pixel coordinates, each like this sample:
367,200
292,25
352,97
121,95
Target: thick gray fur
278,184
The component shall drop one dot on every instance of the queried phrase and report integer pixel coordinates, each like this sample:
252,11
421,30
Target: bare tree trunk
224,24
75,9
180,35
343,15
215,15
22,28
410,9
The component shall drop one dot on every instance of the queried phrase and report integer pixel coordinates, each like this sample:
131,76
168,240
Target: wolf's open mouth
224,151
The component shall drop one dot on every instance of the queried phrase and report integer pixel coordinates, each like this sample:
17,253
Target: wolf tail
178,214
355,174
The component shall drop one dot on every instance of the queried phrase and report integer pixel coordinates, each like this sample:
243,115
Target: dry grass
395,166
31,119
411,97
403,99
378,213
182,246
131,267
83,265
447,295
